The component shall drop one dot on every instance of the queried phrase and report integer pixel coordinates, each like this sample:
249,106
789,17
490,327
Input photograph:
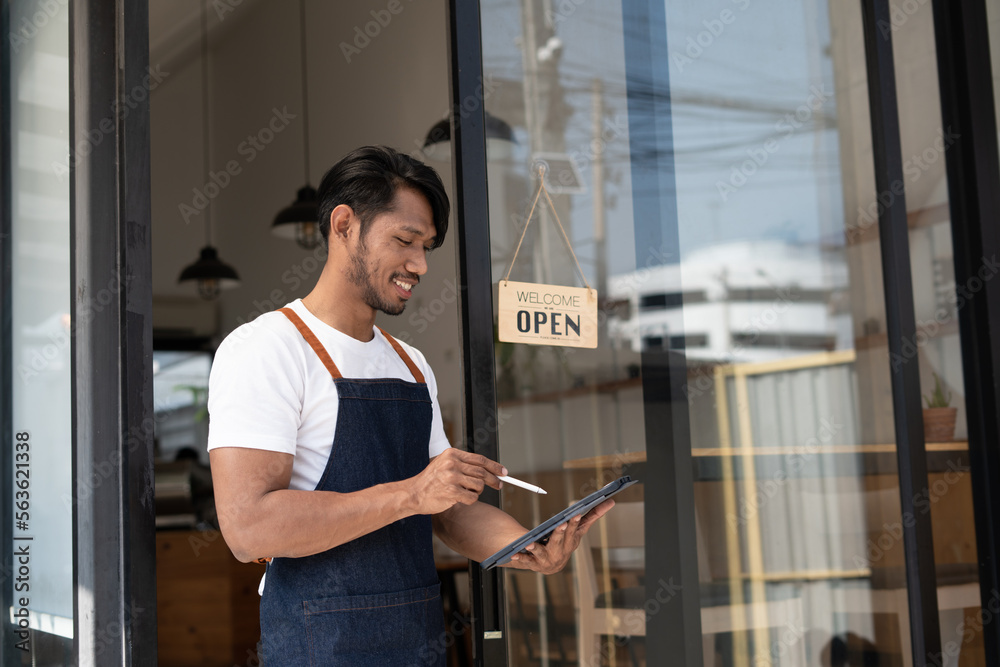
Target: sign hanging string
543,189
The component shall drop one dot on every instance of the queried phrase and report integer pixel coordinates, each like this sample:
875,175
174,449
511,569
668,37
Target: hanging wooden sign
547,314
539,314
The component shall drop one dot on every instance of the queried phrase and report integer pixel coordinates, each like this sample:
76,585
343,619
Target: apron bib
374,600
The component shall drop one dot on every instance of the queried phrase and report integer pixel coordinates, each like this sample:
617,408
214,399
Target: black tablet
542,532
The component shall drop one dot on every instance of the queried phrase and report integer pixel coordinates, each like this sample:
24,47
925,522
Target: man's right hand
453,476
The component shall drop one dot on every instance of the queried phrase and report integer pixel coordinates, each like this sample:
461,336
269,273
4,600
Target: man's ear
343,223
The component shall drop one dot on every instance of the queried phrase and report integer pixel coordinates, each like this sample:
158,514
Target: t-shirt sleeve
439,441
255,392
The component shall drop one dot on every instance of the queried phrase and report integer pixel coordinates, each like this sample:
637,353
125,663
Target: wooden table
207,607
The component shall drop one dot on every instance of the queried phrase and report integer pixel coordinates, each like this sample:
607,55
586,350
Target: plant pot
939,424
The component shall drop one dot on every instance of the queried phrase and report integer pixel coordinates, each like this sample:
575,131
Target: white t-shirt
269,390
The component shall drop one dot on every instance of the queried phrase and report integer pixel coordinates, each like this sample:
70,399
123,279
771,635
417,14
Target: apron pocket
386,629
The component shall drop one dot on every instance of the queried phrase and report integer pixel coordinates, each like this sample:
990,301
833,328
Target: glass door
712,164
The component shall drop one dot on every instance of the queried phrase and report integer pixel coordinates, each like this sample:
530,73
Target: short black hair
367,179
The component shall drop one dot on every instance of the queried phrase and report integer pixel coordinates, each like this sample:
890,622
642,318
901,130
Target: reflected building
744,301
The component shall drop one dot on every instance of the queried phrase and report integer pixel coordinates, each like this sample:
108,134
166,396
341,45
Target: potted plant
939,417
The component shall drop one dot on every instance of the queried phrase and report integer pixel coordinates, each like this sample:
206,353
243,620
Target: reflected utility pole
531,19
597,127
546,116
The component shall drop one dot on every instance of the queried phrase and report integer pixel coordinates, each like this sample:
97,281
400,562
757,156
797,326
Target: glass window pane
773,294
41,490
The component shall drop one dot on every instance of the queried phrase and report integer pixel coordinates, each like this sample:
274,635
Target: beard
360,274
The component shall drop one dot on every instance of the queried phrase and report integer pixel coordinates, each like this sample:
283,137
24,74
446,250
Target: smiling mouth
405,287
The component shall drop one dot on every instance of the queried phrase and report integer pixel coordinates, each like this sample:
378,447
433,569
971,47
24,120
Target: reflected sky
748,79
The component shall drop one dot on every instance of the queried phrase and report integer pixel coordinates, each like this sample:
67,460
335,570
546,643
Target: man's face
391,256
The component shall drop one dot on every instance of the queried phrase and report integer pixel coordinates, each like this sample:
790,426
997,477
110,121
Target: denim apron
374,600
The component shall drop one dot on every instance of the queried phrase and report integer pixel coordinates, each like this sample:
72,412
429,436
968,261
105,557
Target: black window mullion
968,114
673,592
476,299
918,544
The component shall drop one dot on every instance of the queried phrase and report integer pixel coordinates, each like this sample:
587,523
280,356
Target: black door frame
115,554
476,299
973,165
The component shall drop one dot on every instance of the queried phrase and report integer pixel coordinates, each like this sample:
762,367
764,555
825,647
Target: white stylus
523,485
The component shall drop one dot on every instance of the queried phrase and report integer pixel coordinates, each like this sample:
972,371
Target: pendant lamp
300,220
211,273
499,139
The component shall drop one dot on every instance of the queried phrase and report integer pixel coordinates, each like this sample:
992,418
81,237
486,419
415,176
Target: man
327,446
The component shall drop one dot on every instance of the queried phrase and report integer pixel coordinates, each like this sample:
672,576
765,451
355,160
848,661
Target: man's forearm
261,517
478,530
291,523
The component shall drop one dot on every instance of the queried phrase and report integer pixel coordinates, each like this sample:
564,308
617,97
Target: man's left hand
552,557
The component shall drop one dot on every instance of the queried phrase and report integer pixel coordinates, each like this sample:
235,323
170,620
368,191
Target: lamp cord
204,116
305,90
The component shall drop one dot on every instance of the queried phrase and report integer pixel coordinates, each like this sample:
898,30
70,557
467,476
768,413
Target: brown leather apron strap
417,375
314,343
317,347
324,356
